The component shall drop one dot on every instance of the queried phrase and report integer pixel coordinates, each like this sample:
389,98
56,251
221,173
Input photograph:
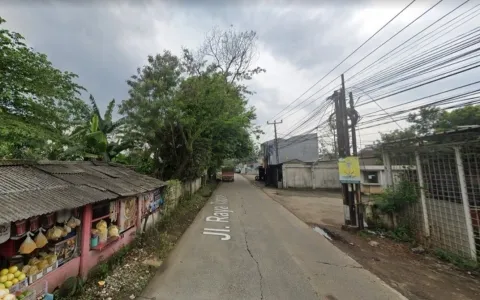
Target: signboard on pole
349,169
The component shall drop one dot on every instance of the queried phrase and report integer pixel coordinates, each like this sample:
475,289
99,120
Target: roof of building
34,188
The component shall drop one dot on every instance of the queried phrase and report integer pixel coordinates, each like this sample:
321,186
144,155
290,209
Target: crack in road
250,252
341,266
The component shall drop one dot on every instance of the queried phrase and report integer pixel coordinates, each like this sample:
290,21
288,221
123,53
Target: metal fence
447,173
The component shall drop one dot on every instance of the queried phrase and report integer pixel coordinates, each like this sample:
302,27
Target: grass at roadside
125,273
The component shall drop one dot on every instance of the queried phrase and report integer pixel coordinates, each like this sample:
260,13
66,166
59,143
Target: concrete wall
326,175
322,175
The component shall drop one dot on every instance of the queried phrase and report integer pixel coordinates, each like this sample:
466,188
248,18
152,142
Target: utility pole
274,123
347,189
356,187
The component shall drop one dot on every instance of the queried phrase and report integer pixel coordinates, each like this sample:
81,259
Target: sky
104,42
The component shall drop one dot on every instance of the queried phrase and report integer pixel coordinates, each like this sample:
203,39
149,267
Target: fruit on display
36,265
12,277
3,293
22,295
9,297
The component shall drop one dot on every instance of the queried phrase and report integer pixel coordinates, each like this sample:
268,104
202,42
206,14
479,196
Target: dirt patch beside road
311,206
415,276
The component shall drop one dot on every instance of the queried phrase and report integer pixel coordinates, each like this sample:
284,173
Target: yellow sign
349,169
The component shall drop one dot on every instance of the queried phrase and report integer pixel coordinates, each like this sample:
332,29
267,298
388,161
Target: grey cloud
83,39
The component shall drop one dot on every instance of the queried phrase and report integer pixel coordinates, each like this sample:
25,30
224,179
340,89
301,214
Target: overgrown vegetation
396,198
457,260
184,113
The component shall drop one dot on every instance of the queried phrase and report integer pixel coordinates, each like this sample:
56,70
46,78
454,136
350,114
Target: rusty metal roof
31,189
25,204
25,178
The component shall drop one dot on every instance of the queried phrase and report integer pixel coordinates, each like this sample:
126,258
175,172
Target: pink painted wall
90,258
57,277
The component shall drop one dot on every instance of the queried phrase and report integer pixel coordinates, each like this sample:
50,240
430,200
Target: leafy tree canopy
37,101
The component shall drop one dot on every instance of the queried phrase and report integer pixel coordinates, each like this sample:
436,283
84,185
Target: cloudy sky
299,42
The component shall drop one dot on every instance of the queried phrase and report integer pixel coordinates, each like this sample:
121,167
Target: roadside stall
32,248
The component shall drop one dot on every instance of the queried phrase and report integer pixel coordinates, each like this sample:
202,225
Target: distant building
300,147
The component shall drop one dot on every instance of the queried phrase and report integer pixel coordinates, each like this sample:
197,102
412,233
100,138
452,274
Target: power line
429,96
391,51
416,19
371,37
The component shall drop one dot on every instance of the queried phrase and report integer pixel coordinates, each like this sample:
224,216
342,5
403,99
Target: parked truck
228,174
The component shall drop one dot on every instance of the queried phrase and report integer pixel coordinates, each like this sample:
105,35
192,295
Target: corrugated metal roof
31,189
25,204
61,169
24,178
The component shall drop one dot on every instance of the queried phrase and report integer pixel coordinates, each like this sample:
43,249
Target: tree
149,113
425,121
100,137
397,135
232,53
189,115
38,102
468,115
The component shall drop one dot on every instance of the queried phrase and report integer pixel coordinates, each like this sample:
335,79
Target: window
108,211
371,176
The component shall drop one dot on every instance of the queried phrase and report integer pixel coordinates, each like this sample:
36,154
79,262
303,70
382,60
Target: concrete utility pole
357,195
274,123
344,151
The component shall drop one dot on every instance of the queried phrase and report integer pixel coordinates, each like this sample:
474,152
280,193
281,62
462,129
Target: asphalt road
244,245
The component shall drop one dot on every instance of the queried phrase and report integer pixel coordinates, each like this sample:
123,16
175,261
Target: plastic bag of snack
28,245
101,224
54,233
102,234
41,240
113,231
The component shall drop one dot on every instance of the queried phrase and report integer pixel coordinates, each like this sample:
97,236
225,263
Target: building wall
304,148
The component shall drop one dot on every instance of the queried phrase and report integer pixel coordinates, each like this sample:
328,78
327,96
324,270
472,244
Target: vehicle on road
237,170
228,174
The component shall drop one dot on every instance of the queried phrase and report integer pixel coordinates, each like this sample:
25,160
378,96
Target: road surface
244,245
